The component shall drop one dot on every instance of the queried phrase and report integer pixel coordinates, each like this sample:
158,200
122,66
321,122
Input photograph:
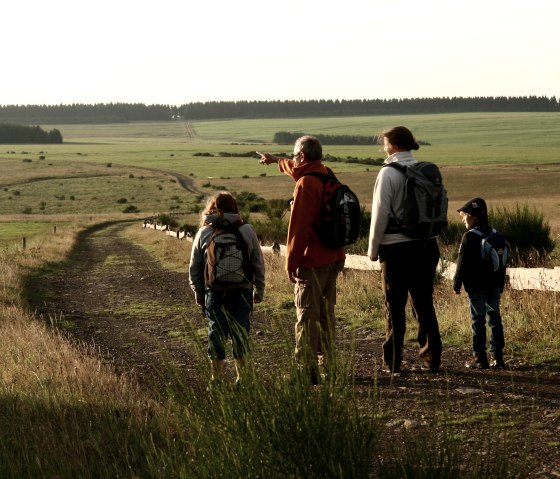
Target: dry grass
36,361
97,424
174,254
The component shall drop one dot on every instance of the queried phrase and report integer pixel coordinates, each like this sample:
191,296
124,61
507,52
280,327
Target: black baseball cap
475,207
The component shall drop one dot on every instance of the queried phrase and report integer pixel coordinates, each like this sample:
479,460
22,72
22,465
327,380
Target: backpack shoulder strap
396,166
322,176
478,232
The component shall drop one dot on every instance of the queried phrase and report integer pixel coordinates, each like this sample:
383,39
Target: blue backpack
493,249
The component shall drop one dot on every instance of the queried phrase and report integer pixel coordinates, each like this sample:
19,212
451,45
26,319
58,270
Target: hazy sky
181,51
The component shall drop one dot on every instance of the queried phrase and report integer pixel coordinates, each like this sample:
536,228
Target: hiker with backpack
227,275
481,270
403,238
311,264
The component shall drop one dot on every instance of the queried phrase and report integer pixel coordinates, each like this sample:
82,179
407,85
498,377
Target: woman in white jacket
407,265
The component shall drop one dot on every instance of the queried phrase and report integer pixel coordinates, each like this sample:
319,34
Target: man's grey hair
311,147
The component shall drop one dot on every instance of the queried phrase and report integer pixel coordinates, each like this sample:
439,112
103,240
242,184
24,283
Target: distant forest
126,112
17,134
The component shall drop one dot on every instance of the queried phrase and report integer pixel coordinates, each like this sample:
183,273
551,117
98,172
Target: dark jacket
473,272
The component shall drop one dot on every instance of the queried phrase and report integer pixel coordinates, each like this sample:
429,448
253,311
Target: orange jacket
303,248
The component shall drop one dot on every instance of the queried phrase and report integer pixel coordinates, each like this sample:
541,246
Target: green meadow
126,168
12,232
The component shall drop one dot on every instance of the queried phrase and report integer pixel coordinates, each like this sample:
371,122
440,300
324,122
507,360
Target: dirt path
114,295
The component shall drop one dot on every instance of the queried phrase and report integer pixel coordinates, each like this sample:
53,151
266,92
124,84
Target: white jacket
387,201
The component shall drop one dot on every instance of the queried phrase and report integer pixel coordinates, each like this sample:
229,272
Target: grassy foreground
66,414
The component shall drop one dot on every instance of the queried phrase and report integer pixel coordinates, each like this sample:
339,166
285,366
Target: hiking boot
498,361
389,370
429,367
428,363
477,362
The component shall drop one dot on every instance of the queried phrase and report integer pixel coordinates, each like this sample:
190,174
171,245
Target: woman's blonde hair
218,204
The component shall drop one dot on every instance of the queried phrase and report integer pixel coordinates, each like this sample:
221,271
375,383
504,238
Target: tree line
314,108
126,112
18,134
87,113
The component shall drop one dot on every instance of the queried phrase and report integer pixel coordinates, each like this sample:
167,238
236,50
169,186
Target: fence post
23,242
54,229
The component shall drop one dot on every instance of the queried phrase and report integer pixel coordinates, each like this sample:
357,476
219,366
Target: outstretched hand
267,158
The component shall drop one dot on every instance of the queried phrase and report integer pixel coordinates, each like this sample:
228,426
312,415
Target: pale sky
182,51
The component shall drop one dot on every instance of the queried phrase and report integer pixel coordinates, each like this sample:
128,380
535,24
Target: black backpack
425,201
227,258
340,213
493,249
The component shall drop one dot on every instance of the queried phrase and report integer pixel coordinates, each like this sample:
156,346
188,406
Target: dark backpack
340,213
425,201
227,258
493,249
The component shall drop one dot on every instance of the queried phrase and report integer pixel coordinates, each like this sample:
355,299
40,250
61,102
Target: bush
528,234
251,202
164,219
273,230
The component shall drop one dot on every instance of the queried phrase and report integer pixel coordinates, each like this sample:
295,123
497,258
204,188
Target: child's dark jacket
472,271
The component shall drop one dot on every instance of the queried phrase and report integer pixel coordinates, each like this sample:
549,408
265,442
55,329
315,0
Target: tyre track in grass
113,295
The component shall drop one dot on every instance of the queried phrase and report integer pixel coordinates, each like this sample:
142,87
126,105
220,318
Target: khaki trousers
315,299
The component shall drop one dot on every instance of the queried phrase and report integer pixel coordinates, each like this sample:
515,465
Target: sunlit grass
96,424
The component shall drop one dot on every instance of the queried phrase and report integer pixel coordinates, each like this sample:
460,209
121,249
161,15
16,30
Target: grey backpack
425,201
227,258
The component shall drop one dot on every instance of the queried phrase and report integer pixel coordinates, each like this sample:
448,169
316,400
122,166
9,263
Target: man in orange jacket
310,265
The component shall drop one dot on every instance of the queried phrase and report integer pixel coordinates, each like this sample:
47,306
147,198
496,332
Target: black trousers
410,268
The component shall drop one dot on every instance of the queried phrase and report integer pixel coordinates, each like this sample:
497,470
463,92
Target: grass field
101,169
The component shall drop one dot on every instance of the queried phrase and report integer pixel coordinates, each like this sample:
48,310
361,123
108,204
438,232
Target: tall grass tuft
277,426
528,233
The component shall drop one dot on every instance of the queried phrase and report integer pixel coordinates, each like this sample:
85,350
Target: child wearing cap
483,287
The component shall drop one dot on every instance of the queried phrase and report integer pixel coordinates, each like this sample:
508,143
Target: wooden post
23,242
54,229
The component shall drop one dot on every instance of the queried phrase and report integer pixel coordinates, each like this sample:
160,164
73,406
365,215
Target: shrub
165,219
122,200
529,235
131,209
251,202
273,230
